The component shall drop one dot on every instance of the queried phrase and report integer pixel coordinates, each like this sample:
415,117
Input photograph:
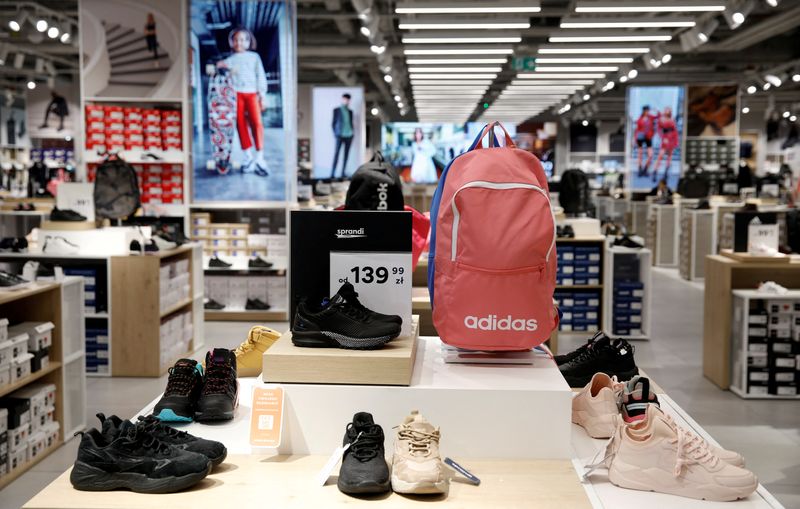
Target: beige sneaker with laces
417,467
665,458
249,354
596,406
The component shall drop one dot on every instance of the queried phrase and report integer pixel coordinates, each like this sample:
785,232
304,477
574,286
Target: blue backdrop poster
242,85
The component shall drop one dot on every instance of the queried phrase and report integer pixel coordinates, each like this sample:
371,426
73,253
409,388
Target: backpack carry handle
489,129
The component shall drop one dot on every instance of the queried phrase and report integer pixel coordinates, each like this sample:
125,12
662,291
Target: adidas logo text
492,322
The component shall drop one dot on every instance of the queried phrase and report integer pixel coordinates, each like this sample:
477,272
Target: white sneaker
772,287
668,459
595,407
417,467
163,244
59,245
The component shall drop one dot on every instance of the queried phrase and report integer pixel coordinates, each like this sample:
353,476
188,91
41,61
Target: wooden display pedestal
390,365
68,225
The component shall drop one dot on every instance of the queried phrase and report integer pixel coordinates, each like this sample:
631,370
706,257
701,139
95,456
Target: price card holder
78,197
760,235
741,227
316,236
266,421
382,280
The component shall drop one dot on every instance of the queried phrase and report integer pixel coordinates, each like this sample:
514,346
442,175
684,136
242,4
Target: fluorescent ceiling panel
553,76
444,50
446,76
641,22
592,49
413,70
584,60
576,68
461,39
618,36
621,6
455,61
439,23
468,7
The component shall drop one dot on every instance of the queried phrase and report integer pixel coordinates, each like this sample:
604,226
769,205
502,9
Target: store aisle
765,432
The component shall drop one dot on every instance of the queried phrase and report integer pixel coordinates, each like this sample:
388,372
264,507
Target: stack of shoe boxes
176,334
174,284
628,295
5,353
159,182
783,333
95,294
97,350
15,361
40,339
30,422
578,266
220,239
3,442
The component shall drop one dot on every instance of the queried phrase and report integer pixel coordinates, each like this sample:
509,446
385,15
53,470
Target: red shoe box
94,112
170,129
171,116
151,115
114,113
95,125
133,115
151,128
172,142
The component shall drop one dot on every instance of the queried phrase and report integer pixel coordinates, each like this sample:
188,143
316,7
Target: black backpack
116,190
573,192
375,186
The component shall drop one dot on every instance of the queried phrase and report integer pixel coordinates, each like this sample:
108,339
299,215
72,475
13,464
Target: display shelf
244,315
698,239
619,273
244,272
638,218
7,479
8,389
176,307
584,253
722,276
663,234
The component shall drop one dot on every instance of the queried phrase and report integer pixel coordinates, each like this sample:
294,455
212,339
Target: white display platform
605,495
484,411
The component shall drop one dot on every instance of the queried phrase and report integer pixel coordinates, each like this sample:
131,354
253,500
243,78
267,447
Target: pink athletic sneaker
665,458
595,406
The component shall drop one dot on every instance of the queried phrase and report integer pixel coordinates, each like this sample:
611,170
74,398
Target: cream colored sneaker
249,354
417,467
595,406
668,459
643,428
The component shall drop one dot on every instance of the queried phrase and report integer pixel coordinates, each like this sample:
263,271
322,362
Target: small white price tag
760,236
325,473
382,280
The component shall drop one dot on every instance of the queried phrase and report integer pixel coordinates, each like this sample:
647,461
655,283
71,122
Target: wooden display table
252,481
723,274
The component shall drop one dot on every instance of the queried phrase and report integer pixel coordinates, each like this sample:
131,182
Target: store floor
767,433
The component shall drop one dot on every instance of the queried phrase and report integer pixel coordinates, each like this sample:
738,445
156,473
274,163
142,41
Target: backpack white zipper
497,186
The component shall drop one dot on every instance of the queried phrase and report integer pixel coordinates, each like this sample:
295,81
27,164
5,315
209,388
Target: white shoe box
17,437
37,443
51,432
21,367
19,343
5,375
3,329
17,458
3,420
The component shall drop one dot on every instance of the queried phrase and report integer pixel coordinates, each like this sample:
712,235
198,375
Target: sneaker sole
169,415
578,382
635,478
364,488
88,478
420,488
327,339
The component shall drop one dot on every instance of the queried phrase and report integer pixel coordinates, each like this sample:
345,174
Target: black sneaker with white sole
214,451
135,460
348,291
9,280
220,394
614,358
340,324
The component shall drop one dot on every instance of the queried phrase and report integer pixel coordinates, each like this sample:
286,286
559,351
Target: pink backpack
492,263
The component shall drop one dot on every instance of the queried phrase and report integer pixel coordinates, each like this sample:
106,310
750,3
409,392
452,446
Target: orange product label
266,421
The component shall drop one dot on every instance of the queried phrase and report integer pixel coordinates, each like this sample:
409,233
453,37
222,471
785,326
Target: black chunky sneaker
135,460
219,397
183,389
218,263
340,324
9,280
259,263
351,296
636,395
256,305
58,214
364,468
213,305
565,358
214,451
614,358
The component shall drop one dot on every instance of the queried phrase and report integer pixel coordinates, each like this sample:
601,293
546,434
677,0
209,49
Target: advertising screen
654,135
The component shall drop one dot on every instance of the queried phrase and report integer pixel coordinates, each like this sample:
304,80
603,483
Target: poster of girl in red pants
240,59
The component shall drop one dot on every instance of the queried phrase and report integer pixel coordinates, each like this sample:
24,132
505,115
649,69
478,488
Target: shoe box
3,442
174,283
40,339
30,422
773,348
3,329
175,335
628,307
97,348
95,287
580,310
578,265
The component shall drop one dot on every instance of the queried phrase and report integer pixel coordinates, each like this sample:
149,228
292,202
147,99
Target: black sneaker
626,241
614,358
183,389
636,395
564,358
213,305
364,468
218,263
45,272
256,305
214,451
259,263
340,324
135,460
14,244
8,280
65,215
219,397
149,247
348,291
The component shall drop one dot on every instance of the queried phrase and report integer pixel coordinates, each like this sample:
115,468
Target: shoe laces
419,442
359,313
150,424
248,346
217,379
139,437
180,381
367,443
691,449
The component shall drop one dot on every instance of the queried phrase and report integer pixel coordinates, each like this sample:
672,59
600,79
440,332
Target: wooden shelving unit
593,289
61,304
